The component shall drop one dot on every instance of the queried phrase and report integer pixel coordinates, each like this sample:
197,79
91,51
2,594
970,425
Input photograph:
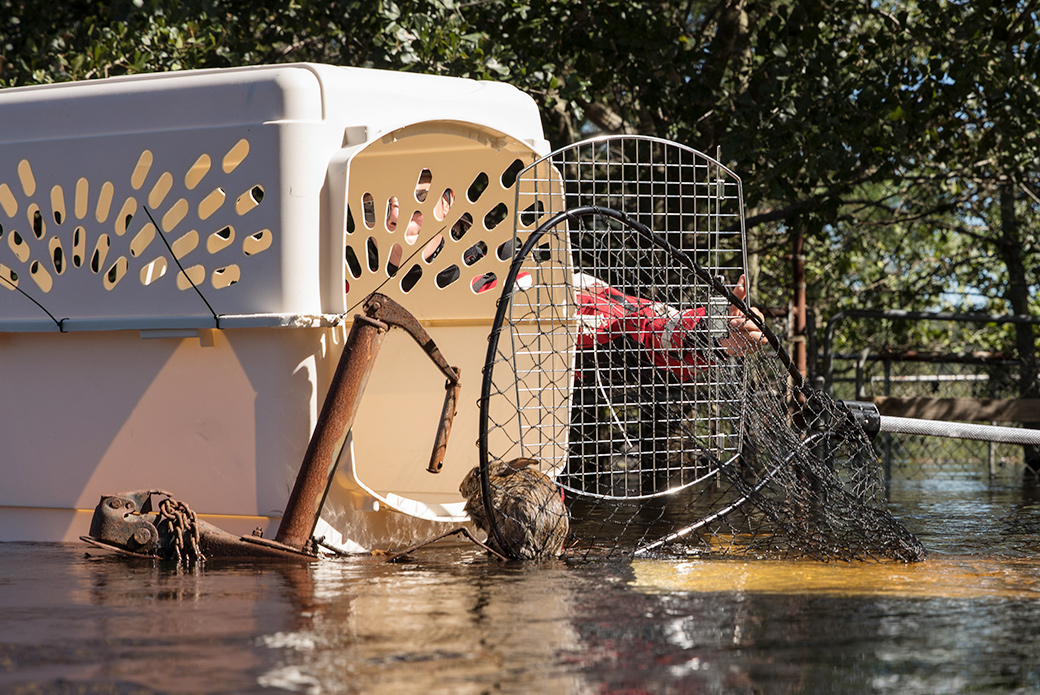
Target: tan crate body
191,349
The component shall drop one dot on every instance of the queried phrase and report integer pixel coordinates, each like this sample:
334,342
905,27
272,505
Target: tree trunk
798,302
1010,245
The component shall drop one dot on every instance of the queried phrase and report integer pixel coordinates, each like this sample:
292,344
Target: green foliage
897,136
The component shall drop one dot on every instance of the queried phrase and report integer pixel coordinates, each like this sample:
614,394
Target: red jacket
669,336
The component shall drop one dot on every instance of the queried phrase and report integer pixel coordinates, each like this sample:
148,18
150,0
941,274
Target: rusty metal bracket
383,308
440,442
341,406
120,520
380,307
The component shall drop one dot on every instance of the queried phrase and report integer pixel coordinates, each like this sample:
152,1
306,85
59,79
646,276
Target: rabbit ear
521,463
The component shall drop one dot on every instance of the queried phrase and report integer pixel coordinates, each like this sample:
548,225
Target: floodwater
967,620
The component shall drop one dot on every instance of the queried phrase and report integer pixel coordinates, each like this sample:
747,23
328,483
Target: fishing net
614,366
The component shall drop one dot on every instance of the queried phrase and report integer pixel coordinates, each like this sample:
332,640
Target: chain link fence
867,377
965,381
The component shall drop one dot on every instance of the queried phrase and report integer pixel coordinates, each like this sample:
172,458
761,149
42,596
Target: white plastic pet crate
181,255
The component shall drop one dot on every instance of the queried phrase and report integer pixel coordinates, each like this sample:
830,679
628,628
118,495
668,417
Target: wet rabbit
529,509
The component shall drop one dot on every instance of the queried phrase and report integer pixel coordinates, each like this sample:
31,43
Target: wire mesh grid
633,305
613,371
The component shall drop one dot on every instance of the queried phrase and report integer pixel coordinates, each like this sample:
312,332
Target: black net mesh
616,372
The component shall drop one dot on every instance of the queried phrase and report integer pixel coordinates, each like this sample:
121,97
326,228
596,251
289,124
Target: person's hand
744,336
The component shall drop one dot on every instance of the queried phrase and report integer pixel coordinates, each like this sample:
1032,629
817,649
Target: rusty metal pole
798,303
440,442
337,416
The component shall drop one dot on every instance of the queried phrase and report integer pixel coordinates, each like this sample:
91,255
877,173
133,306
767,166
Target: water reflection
971,516
941,576
450,621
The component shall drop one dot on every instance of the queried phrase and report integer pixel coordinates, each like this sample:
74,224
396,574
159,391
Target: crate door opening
429,222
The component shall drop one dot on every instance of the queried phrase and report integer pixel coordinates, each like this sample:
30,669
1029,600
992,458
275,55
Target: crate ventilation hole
45,254
364,253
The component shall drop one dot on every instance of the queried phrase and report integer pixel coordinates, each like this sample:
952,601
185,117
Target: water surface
76,620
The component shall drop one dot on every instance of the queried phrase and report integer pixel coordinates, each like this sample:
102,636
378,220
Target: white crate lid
194,199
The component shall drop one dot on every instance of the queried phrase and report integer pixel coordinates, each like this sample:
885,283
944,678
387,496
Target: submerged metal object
124,520
128,523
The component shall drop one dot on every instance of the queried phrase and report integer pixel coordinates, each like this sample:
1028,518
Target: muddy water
967,620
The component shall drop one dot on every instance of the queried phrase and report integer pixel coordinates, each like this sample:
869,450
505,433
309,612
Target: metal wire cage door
605,365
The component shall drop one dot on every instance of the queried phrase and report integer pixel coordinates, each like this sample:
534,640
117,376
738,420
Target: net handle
504,302
959,430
